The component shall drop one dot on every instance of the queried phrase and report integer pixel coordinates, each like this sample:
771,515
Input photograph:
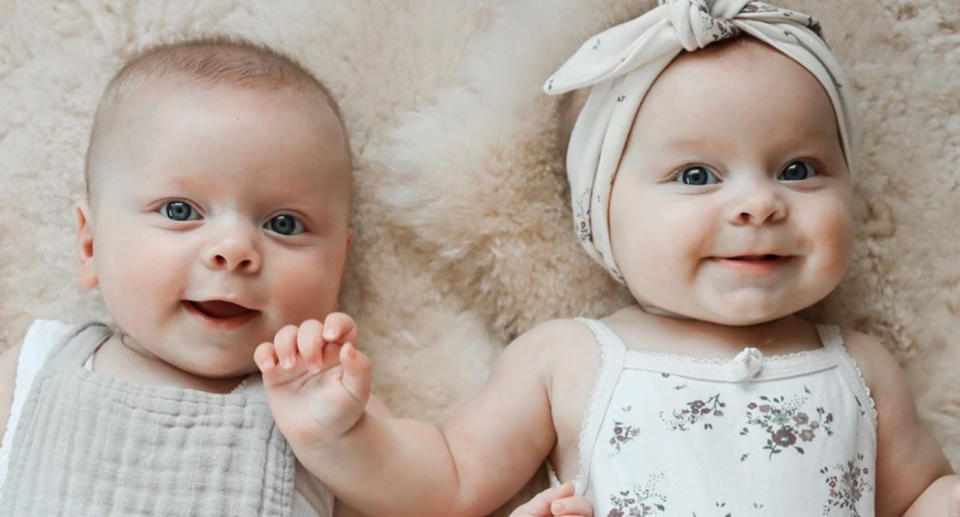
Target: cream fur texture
464,230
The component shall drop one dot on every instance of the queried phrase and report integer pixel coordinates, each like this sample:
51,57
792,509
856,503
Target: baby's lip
756,257
221,309
751,264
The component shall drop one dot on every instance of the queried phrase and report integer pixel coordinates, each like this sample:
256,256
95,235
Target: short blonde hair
218,59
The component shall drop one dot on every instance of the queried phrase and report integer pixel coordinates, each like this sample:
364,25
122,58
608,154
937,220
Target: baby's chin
220,370
748,314
733,313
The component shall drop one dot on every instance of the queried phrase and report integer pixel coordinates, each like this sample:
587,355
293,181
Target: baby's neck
122,358
667,334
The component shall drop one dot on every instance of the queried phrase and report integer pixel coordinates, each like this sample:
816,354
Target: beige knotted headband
621,63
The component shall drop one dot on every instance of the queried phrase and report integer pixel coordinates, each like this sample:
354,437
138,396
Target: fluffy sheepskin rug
464,231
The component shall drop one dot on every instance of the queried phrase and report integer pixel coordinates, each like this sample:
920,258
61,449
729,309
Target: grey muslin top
90,444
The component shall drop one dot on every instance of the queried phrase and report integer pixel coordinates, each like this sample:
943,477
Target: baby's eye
697,176
284,225
179,211
797,171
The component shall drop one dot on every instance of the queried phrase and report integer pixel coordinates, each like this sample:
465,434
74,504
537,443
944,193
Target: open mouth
754,264
770,257
219,310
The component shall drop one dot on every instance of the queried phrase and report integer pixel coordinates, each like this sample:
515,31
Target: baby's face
732,201
218,215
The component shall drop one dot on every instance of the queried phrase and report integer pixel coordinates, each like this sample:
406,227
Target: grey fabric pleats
88,444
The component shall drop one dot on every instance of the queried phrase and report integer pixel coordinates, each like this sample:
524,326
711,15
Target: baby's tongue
220,309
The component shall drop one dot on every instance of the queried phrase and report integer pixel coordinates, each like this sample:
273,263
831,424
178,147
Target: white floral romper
673,435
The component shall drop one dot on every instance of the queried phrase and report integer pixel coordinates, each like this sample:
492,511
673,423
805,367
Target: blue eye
179,211
797,171
284,225
697,176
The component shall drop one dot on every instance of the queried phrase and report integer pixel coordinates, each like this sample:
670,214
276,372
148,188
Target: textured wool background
464,231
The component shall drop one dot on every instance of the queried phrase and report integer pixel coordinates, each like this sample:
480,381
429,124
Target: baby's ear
88,274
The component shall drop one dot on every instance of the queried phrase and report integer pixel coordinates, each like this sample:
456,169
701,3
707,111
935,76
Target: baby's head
715,183
218,201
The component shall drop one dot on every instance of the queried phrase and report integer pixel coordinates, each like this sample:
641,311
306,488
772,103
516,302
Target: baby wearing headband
710,172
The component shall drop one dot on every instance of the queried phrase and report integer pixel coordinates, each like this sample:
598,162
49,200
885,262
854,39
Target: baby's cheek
130,265
311,294
144,271
835,234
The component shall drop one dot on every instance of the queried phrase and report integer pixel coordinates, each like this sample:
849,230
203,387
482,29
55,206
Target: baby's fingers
339,328
540,505
285,346
278,361
356,373
572,506
310,344
265,357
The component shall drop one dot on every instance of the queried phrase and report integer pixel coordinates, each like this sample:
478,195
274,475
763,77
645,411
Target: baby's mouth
760,262
769,257
221,310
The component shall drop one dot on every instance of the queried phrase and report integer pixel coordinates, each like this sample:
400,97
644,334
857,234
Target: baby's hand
556,501
317,382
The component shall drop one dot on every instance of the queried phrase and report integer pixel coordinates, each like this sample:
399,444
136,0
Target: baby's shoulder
561,347
873,359
880,369
562,337
568,360
30,354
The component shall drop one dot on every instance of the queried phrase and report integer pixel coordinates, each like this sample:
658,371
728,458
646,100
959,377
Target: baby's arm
913,476
375,406
391,466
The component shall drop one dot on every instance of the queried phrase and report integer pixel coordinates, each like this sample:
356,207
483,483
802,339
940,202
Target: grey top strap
83,343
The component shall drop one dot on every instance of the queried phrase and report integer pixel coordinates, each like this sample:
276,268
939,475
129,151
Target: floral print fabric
784,424
674,440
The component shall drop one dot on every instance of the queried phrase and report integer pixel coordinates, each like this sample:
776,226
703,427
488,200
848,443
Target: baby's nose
235,253
758,206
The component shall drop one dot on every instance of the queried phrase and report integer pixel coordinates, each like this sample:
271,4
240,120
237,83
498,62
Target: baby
216,217
710,171
217,211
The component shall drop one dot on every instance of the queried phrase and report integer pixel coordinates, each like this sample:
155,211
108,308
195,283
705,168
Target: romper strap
612,355
832,340
83,342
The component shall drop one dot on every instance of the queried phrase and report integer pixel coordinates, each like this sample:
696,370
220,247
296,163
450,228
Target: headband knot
699,23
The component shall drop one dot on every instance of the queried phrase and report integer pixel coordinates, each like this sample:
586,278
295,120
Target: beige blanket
464,231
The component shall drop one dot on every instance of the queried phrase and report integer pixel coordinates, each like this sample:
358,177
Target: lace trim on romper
612,356
833,340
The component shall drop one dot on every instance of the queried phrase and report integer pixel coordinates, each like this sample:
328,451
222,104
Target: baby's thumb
356,373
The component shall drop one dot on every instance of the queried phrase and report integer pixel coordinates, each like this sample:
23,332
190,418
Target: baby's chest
695,447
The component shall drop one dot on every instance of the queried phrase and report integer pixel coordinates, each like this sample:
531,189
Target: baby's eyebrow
178,182
818,132
683,142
